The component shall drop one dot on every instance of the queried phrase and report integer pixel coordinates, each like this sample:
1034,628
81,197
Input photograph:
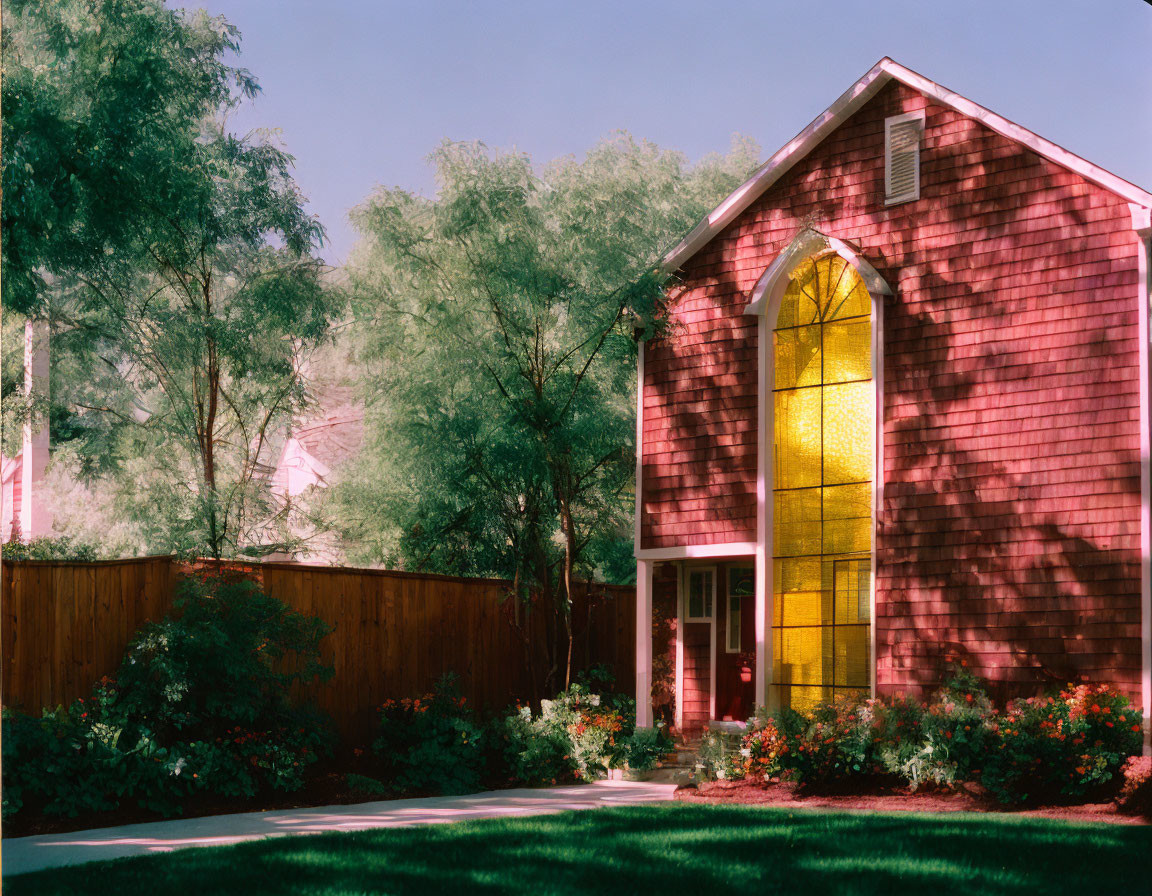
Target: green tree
174,258
497,336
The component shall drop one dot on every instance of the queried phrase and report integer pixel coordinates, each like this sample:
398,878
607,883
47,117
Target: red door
735,644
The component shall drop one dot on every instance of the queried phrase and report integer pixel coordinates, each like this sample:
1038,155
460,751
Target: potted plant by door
747,662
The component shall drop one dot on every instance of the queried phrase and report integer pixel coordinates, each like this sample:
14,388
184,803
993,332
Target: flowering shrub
1069,745
596,733
762,749
200,704
955,734
531,751
720,755
577,736
827,745
431,743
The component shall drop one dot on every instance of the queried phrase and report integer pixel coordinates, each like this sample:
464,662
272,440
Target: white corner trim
1142,226
699,551
845,106
679,706
636,534
643,644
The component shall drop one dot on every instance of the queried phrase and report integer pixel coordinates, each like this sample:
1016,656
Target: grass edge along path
666,849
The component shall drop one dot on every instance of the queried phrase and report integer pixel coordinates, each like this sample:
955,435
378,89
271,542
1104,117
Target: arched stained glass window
822,489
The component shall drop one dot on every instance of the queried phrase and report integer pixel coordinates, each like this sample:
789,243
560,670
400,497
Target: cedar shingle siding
1009,532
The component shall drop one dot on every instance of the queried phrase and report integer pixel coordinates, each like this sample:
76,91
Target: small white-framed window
701,596
902,135
740,589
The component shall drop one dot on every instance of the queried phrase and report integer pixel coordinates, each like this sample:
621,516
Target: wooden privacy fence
67,624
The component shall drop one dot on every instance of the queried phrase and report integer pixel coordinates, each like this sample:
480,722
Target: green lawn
658,849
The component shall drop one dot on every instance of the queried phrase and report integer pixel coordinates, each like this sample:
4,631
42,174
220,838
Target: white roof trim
848,103
807,243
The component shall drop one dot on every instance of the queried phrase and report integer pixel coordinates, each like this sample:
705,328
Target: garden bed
785,795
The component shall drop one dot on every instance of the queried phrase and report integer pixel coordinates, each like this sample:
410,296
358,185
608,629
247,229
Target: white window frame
889,123
711,615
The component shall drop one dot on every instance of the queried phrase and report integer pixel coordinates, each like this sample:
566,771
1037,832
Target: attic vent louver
902,157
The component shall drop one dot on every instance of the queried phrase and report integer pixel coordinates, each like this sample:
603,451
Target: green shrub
645,747
431,744
1068,746
201,703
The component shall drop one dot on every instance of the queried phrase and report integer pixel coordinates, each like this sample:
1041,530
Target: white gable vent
902,157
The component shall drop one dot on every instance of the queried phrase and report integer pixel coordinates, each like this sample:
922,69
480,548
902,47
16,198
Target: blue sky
363,91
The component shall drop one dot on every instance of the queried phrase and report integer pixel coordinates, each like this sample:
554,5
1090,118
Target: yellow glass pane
797,522
798,357
796,307
847,519
852,656
853,589
848,351
798,444
805,655
848,433
825,288
802,699
849,297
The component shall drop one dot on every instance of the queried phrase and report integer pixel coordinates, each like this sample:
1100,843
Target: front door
735,644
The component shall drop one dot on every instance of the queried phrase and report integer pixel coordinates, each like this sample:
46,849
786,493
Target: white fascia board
699,551
844,107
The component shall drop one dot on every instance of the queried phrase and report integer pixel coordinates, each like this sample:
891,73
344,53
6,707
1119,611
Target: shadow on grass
663,849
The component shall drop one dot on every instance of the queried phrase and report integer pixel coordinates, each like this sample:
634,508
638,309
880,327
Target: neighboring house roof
319,443
849,102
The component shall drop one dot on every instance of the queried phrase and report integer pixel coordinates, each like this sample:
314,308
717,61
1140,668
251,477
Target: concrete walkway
25,854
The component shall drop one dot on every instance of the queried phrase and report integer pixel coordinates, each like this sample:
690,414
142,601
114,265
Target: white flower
746,753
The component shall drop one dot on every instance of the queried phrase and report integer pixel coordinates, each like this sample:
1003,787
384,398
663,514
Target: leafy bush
432,743
200,704
1070,745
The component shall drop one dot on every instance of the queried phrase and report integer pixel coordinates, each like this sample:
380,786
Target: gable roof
848,103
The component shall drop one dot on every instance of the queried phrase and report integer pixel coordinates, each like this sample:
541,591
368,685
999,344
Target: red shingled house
899,415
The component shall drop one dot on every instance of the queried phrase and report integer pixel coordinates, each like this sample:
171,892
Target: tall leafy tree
497,328
174,258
